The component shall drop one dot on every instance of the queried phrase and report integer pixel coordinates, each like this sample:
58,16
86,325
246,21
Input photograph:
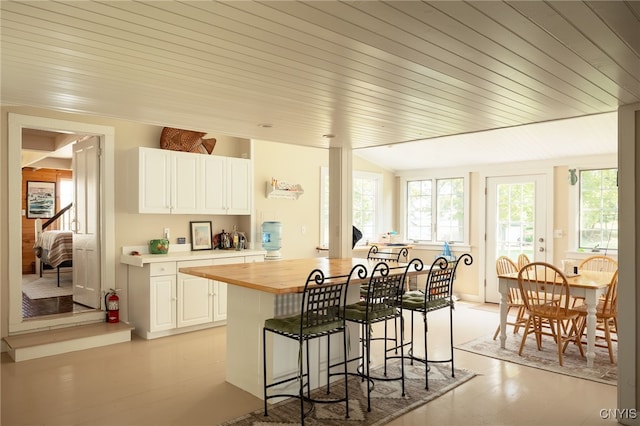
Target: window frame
434,177
357,174
574,210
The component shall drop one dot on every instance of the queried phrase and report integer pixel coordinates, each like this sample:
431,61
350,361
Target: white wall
301,218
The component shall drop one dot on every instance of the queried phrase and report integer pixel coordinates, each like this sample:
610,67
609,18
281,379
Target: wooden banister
56,216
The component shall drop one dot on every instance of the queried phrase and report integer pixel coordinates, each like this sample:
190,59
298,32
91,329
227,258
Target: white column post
340,202
629,257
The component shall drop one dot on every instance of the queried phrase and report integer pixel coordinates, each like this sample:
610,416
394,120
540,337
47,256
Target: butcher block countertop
282,276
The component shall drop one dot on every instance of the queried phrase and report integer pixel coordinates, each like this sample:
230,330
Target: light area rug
387,402
547,358
47,286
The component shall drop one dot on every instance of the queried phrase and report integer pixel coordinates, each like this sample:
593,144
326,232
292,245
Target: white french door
516,223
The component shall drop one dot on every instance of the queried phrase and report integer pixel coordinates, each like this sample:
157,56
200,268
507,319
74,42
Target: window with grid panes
598,209
366,205
435,210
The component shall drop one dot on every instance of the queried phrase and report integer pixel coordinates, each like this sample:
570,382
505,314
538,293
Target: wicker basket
186,140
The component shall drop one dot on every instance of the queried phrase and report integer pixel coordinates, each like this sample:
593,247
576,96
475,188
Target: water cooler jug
271,239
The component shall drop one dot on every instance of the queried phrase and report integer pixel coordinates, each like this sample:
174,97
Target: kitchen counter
179,254
164,302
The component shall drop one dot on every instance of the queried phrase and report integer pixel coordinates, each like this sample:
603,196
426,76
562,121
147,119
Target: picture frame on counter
201,236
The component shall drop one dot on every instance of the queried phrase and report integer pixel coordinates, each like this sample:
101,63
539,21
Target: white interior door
516,223
86,226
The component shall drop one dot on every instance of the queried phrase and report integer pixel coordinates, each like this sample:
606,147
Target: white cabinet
220,301
195,296
151,169
154,297
168,181
186,182
189,183
254,258
220,290
227,185
215,184
239,185
164,301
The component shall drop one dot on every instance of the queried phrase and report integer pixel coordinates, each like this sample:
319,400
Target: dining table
587,284
262,290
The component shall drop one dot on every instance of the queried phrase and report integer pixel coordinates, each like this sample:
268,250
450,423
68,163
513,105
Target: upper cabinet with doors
187,183
151,169
228,188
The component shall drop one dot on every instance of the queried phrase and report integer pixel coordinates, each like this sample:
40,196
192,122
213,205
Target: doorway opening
47,176
105,134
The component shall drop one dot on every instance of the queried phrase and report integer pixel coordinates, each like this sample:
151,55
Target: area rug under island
387,402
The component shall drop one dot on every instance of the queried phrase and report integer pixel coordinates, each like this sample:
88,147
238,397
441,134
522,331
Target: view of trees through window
598,209
450,210
367,195
516,219
448,204
419,207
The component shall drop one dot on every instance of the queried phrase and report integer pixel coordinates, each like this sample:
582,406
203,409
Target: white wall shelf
291,192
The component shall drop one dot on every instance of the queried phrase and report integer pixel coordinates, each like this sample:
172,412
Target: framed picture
201,235
41,200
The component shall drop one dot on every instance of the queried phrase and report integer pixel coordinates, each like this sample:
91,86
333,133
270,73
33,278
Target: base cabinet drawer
162,268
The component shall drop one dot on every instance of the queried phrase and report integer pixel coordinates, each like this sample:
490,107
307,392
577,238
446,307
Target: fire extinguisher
112,305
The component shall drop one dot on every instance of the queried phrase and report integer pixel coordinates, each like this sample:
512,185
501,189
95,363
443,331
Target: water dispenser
271,239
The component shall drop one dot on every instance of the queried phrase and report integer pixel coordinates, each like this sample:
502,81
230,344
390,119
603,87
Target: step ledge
28,346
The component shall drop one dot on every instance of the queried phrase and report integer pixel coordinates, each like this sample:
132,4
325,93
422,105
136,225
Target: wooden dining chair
606,317
546,295
523,260
596,262
599,262
504,265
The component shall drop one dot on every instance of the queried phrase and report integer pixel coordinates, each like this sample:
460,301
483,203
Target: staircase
40,344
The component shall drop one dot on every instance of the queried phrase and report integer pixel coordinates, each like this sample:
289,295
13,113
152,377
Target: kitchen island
259,291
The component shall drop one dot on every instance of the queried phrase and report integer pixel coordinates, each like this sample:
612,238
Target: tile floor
179,380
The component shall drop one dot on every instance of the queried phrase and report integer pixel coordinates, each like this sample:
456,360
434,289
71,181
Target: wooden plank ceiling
371,73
